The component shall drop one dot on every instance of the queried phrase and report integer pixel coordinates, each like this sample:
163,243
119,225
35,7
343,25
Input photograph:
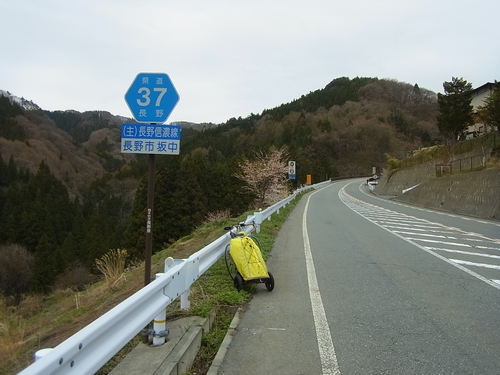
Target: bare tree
16,269
266,175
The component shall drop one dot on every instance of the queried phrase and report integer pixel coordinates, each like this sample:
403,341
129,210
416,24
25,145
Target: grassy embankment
443,154
43,321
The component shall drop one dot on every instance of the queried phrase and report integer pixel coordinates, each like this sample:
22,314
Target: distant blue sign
151,139
151,97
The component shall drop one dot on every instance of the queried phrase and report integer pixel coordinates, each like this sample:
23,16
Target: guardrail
90,348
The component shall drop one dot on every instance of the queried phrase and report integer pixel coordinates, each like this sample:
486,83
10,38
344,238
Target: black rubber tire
231,266
238,282
270,283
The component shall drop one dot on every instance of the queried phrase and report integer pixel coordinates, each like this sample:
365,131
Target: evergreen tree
46,264
9,127
455,108
94,242
135,234
179,205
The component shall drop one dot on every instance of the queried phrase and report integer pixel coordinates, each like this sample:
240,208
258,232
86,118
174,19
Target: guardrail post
186,299
258,220
41,353
160,324
192,274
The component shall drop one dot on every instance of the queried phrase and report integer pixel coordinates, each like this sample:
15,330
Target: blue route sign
151,97
151,139
291,169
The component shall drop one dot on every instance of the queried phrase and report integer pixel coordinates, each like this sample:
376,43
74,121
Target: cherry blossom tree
266,175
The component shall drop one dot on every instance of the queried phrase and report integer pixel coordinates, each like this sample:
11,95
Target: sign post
291,170
151,98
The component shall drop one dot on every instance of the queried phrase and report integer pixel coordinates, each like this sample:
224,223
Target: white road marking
483,265
327,354
435,241
425,235
464,252
360,207
443,213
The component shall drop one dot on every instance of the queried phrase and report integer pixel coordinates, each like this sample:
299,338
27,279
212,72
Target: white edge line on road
327,354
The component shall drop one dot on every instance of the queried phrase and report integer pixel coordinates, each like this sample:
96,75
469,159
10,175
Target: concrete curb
175,357
219,357
182,356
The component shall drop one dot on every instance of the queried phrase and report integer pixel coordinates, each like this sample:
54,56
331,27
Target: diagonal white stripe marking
483,265
443,242
463,252
425,235
353,204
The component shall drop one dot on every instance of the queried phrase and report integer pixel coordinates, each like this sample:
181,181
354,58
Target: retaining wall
473,193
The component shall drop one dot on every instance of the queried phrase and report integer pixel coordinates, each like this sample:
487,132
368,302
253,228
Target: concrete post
159,323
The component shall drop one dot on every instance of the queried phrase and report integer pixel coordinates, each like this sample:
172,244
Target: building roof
488,86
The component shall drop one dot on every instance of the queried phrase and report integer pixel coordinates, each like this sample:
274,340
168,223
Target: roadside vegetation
480,146
42,321
68,195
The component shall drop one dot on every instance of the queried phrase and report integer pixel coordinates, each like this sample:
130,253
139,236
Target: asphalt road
367,286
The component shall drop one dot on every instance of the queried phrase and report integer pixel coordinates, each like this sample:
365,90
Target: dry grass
46,321
217,215
12,330
112,265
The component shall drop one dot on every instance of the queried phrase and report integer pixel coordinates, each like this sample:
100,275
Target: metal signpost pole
149,220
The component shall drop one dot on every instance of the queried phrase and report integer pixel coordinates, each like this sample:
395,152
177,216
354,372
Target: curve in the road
432,237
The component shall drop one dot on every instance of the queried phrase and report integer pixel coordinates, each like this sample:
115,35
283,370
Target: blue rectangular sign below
150,139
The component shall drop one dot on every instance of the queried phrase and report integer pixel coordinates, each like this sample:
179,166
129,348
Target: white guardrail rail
90,348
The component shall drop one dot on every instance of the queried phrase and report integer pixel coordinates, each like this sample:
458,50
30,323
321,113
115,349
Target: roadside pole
149,219
151,98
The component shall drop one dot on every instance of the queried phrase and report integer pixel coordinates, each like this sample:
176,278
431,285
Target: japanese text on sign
150,139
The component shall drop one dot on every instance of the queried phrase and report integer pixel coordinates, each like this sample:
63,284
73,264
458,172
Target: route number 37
145,98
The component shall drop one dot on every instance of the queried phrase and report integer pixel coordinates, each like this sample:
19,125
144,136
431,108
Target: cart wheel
231,267
238,282
270,282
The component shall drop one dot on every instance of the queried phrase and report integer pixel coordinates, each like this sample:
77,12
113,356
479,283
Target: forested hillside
68,195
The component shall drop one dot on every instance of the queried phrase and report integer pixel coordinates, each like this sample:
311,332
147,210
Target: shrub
392,162
217,216
75,278
16,269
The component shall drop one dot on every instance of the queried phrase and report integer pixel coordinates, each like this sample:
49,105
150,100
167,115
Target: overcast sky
231,58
